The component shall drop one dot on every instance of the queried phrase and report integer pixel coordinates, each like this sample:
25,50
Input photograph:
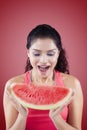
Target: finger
20,108
56,111
24,109
70,99
14,102
59,109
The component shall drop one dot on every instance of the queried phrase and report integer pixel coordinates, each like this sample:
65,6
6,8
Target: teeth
46,67
43,68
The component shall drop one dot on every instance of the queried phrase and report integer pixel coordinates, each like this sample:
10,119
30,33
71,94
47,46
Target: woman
46,65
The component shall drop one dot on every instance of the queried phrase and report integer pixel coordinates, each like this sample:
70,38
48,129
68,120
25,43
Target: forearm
60,124
19,124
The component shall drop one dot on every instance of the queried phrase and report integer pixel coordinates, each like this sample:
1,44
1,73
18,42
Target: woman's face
43,55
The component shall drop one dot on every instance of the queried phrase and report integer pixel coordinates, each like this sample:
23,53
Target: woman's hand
56,112
21,109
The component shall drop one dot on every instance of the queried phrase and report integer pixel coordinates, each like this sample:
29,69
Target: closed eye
36,54
51,54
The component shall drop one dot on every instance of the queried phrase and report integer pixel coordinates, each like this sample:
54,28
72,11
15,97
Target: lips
43,69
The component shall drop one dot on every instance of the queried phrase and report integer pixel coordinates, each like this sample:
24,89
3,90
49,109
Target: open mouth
43,69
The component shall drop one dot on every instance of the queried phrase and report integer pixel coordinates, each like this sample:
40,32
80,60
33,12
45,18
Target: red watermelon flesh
41,97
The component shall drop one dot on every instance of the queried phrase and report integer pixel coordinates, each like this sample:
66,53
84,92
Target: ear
28,54
58,53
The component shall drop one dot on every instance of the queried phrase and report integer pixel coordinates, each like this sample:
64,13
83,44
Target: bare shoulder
71,81
16,79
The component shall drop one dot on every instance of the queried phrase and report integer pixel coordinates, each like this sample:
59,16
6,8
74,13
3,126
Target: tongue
43,69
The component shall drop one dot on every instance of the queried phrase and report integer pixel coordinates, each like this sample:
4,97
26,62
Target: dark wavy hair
46,31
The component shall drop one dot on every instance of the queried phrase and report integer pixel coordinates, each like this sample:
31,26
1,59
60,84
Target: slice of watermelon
40,97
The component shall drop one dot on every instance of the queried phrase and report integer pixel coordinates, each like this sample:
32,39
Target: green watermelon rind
42,107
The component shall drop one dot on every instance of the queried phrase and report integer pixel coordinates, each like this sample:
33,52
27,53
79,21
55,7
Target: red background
18,17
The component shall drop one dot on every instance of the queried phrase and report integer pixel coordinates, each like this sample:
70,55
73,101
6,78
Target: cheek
53,61
33,61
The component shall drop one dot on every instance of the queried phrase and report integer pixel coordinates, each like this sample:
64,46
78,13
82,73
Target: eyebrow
47,50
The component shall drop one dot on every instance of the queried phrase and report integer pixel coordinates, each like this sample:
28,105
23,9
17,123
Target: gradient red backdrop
18,17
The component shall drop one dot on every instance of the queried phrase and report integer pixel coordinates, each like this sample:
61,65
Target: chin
47,74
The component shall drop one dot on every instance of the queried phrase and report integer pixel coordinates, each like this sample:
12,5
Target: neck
38,80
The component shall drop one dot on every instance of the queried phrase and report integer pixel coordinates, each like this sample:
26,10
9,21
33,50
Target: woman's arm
15,114
75,111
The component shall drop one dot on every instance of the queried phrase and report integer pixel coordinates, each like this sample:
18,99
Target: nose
43,59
